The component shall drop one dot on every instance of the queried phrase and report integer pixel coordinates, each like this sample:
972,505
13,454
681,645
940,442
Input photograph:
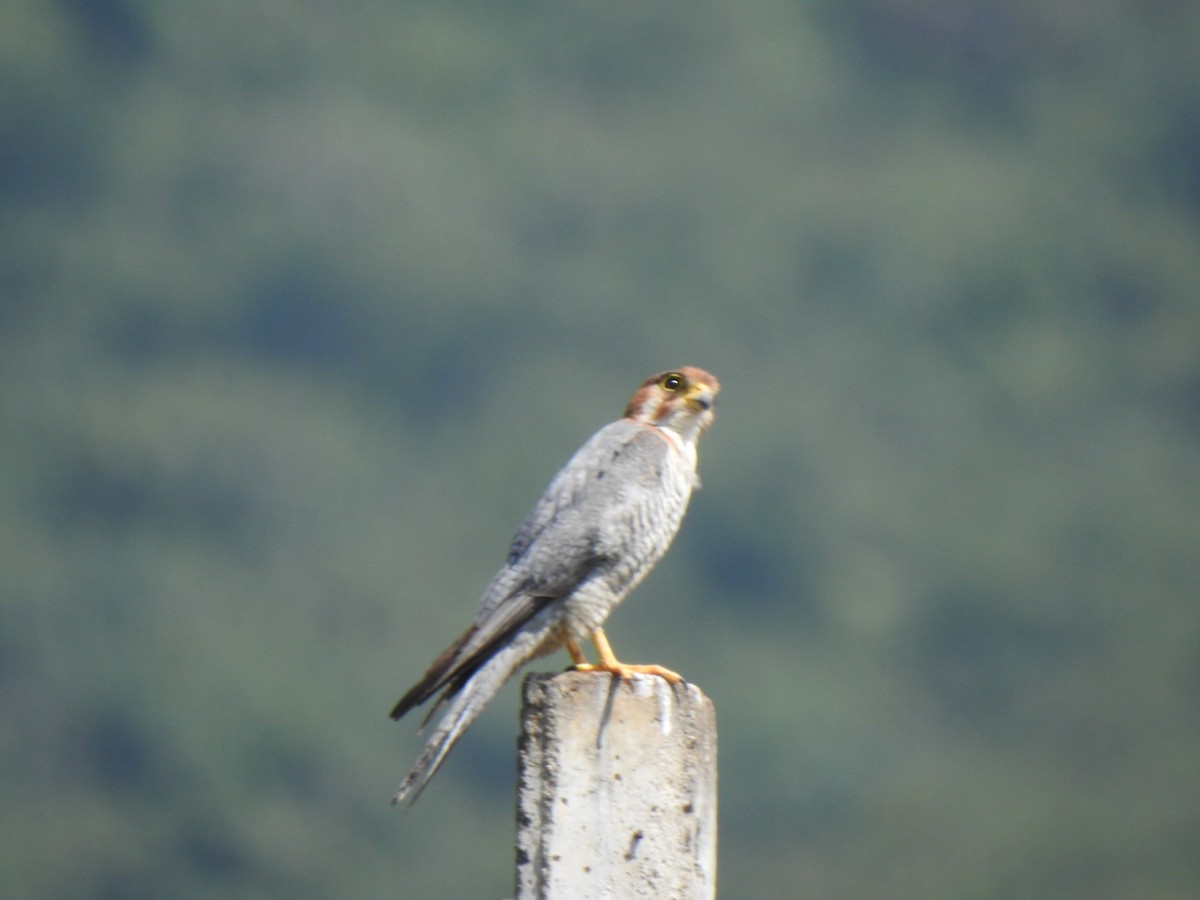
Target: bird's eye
672,381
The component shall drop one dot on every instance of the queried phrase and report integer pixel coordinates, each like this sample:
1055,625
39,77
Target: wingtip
440,672
409,701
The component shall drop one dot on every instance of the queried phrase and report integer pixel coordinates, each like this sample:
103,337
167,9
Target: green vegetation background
302,304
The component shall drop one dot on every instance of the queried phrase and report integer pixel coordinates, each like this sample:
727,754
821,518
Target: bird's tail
464,708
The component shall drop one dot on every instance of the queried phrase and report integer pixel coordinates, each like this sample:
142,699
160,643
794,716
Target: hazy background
302,304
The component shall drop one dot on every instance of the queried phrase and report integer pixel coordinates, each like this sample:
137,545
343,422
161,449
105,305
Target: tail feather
463,708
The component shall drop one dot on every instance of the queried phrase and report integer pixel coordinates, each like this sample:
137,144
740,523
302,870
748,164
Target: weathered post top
617,789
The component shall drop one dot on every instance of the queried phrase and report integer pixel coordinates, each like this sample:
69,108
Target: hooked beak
702,397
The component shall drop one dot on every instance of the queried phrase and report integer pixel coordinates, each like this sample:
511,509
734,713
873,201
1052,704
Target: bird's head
681,400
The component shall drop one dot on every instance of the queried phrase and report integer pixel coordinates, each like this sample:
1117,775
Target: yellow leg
609,663
577,656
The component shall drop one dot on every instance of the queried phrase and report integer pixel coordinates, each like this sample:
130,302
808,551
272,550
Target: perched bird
596,532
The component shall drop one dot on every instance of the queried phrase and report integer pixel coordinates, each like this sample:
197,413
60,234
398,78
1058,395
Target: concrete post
617,789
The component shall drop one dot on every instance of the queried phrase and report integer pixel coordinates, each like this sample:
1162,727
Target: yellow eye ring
672,382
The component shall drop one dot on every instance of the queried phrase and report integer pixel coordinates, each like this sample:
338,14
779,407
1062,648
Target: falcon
597,531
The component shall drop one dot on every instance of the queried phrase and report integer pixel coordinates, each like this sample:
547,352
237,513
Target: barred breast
641,485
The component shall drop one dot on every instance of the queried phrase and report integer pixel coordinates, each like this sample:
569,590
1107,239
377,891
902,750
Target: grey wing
561,543
604,491
562,540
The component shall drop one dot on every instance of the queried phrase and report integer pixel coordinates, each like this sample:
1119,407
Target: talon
609,662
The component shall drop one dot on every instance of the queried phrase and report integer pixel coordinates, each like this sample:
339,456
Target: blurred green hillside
301,306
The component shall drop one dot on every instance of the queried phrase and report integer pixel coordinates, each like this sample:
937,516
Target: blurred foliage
303,305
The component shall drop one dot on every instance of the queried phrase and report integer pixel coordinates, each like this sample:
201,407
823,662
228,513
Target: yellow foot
626,671
609,663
